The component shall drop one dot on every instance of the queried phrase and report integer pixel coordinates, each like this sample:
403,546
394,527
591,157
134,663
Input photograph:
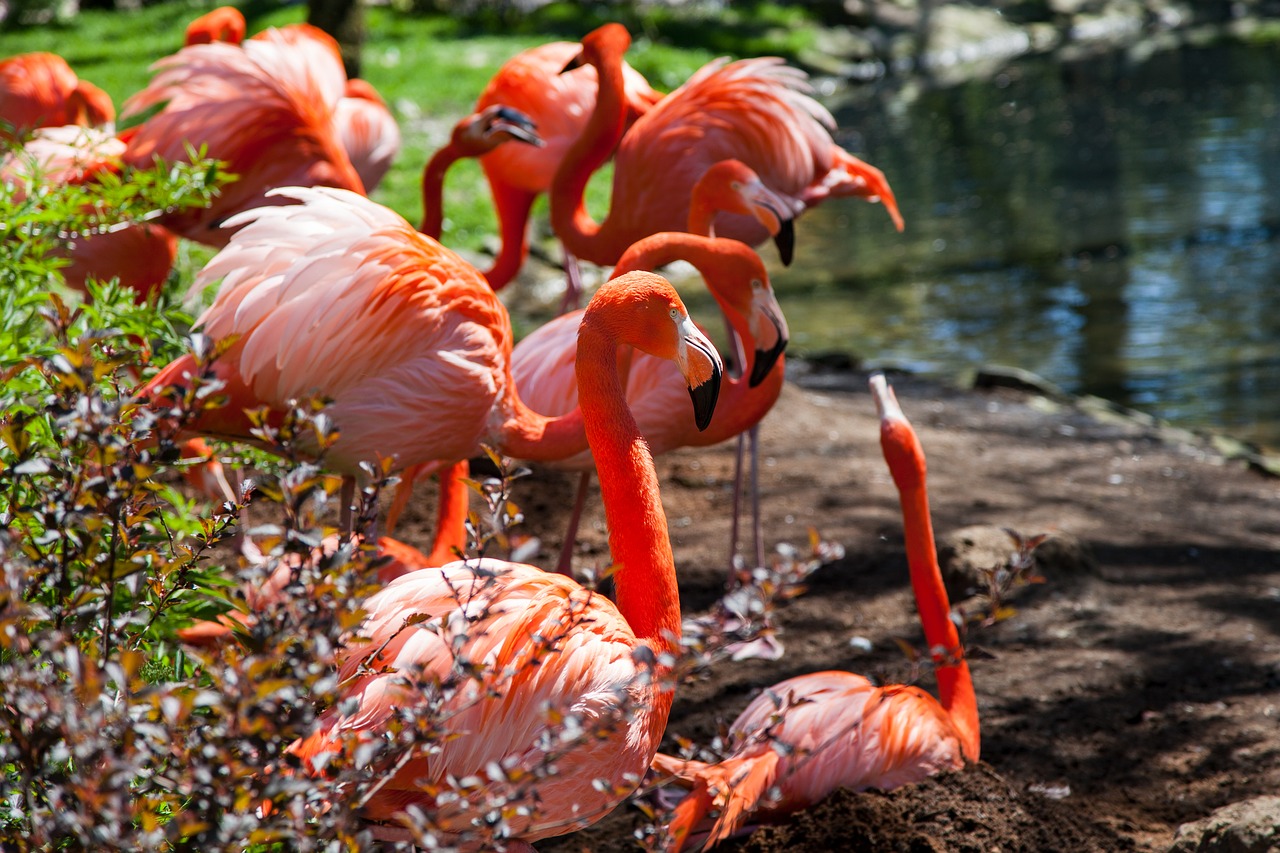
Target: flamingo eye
757,284
736,186
676,315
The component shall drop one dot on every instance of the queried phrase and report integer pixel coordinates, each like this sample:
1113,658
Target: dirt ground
1128,694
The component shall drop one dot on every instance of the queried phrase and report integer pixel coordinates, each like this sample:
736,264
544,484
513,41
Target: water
1110,225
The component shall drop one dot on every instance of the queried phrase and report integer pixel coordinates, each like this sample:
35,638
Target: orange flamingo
224,24
364,124
40,90
139,255
265,108
340,296
545,648
809,735
558,105
543,362
753,110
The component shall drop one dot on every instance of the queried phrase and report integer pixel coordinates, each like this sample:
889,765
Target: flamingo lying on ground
558,105
809,735
755,110
265,108
543,648
40,90
543,362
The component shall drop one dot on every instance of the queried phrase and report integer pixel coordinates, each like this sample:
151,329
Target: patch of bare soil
1126,696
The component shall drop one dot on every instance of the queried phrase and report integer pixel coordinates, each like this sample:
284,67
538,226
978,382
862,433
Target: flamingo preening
543,362
541,649
558,105
809,735
754,110
265,108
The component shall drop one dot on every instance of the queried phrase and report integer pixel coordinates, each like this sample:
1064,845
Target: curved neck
647,595
539,438
433,188
571,221
955,685
512,206
702,214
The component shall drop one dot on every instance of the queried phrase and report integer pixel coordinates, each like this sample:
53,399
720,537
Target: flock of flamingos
322,290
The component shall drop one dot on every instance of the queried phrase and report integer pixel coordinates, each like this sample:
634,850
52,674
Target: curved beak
517,125
702,369
769,328
774,213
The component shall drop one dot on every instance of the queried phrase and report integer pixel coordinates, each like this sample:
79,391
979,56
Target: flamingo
224,24
543,362
264,108
340,296
139,255
558,105
753,110
40,90
361,119
809,735
543,647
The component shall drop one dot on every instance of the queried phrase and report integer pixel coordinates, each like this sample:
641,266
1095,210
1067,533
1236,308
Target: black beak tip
704,400
785,240
764,362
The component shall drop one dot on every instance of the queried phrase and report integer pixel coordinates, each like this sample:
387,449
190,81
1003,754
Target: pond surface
1111,225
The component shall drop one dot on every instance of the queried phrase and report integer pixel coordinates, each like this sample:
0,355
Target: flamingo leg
565,565
757,529
347,496
572,284
451,515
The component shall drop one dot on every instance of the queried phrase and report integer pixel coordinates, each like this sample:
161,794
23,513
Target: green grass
430,68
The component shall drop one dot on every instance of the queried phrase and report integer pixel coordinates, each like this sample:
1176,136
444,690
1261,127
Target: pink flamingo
265,108
340,296
361,119
546,647
543,363
558,105
755,110
40,90
809,735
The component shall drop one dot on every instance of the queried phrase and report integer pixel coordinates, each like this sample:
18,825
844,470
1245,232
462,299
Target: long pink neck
571,221
639,543
955,684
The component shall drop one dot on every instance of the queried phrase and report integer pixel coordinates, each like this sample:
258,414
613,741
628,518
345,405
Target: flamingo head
898,440
225,24
768,327
607,42
734,187
642,310
90,106
481,132
740,283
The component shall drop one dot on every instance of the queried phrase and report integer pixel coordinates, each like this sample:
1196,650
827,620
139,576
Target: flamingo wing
368,132
521,659
757,111
340,296
264,108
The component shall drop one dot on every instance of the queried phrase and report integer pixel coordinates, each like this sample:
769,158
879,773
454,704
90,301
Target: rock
1251,826
962,41
969,555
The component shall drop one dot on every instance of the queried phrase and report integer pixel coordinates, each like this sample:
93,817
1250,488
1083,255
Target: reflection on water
1110,226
